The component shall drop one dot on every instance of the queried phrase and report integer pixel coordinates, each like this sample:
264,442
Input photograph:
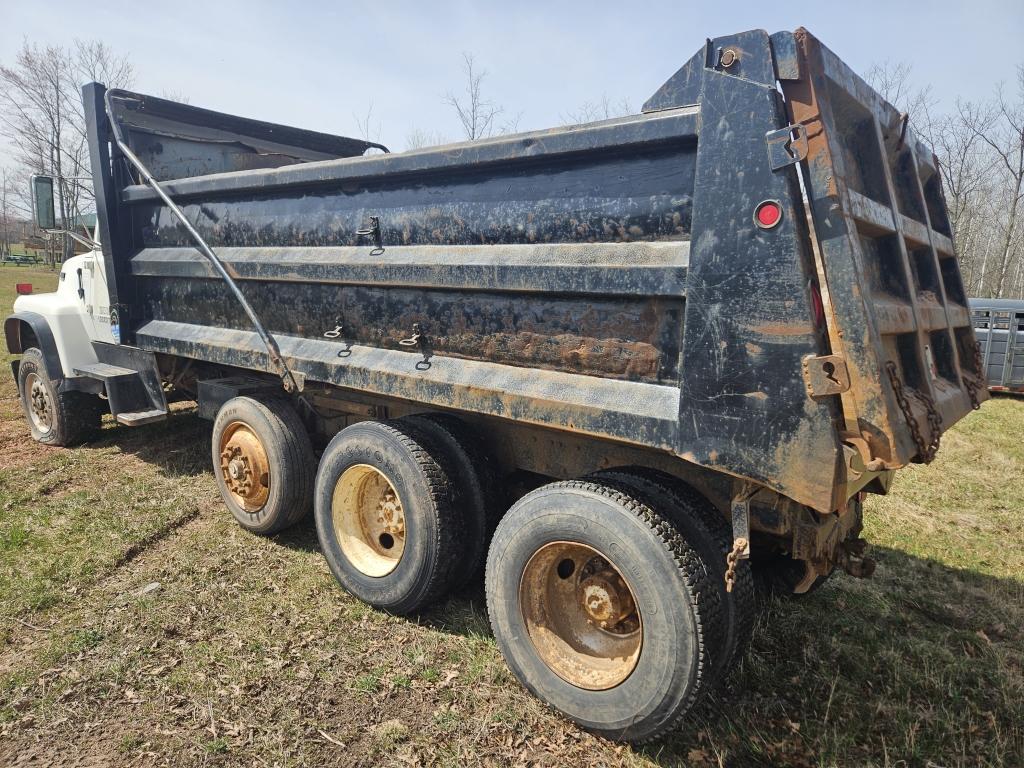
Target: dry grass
139,625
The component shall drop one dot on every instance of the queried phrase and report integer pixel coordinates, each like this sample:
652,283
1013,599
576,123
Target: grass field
139,625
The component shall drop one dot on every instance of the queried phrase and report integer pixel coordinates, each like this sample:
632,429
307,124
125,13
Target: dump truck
626,370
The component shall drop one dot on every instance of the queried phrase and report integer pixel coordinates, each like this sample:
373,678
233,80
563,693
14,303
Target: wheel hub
390,516
245,467
39,406
580,615
237,469
369,520
606,598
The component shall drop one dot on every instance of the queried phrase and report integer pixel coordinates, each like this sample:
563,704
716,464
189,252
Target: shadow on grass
924,662
921,663
179,446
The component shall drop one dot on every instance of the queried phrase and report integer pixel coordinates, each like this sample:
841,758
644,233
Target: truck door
95,297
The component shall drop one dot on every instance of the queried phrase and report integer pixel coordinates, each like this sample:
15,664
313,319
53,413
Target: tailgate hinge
825,375
786,146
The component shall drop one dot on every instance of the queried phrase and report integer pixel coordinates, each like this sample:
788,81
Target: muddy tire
474,486
385,516
55,418
264,464
707,530
602,609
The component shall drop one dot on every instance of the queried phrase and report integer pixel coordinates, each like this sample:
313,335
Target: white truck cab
77,312
73,367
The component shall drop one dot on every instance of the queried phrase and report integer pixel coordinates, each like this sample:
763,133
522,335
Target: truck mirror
42,202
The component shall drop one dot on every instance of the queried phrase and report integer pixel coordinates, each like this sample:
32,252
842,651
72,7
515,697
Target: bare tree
592,111
894,81
476,113
967,183
42,116
173,94
1000,127
6,210
368,130
418,138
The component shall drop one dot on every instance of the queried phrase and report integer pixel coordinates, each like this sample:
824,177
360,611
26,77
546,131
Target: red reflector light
818,305
24,289
768,214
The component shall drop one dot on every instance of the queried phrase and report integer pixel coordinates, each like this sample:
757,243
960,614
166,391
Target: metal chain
972,392
925,450
970,383
934,425
732,560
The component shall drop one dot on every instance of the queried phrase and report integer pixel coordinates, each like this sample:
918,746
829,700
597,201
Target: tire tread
424,452
690,566
472,478
740,608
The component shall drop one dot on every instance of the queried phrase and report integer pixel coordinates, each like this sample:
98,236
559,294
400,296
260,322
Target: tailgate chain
925,450
969,383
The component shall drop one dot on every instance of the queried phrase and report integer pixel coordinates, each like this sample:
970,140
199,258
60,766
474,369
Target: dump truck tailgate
894,301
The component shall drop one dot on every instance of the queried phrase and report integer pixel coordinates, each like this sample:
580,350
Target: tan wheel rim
369,520
40,409
244,466
581,615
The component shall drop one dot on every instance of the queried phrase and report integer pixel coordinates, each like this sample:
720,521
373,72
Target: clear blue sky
314,64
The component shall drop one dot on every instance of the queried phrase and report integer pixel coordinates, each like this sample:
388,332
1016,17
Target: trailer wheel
602,608
707,530
474,483
54,418
385,516
264,463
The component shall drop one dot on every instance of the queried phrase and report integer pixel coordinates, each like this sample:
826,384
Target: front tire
602,609
54,418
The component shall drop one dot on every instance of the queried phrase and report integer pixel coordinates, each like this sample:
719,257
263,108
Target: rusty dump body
596,294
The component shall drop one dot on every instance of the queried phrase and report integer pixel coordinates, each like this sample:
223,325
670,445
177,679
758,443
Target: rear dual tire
648,579
386,515
707,530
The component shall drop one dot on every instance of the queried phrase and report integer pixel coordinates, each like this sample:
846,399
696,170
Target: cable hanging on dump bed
273,350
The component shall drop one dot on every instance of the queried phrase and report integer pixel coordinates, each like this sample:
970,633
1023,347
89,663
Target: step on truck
622,369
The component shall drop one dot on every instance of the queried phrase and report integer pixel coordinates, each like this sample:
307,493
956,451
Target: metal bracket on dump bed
825,375
740,530
786,146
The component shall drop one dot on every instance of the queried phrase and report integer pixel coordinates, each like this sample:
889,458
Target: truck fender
40,335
